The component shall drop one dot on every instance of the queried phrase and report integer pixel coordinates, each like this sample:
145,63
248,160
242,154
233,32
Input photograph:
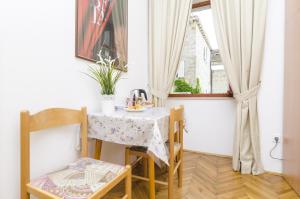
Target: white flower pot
108,104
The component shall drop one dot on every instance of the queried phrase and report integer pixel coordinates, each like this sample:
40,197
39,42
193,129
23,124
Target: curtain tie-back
245,96
159,93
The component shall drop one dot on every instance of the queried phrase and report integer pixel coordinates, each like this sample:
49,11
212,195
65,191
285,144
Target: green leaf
182,86
105,74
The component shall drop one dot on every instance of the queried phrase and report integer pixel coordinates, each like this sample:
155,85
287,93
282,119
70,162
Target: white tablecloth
148,128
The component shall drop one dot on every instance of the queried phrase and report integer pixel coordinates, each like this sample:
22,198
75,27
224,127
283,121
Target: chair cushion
79,179
139,149
144,149
177,147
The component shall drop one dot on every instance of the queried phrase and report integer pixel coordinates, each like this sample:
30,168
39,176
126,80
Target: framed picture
102,27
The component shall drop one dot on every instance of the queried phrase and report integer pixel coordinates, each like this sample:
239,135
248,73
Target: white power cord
184,127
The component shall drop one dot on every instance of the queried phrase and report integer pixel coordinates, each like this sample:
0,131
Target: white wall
211,122
271,94
38,69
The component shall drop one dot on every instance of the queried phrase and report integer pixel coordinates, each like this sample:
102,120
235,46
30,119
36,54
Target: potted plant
104,72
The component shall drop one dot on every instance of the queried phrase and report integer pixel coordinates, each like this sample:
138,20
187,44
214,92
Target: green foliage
105,74
182,86
197,89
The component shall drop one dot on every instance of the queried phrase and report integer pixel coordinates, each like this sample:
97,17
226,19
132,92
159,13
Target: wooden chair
175,146
88,178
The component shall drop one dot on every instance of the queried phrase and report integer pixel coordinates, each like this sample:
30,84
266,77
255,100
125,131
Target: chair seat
142,149
78,180
177,147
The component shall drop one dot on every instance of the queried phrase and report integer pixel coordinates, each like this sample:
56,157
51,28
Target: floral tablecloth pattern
148,129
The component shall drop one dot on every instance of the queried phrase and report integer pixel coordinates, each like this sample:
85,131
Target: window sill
214,96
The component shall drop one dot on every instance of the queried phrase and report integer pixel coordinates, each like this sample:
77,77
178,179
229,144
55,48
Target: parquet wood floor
211,177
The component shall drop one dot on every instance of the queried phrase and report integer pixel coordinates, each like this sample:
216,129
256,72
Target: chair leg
127,156
180,170
25,195
128,185
145,162
98,147
171,182
151,178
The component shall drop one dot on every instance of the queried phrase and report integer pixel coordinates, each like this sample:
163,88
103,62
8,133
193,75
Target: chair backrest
176,128
46,119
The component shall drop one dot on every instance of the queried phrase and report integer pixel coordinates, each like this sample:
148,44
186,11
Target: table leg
98,147
151,178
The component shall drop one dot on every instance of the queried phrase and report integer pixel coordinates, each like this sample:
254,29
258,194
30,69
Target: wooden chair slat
54,117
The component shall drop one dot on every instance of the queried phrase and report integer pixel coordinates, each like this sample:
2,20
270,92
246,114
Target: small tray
135,110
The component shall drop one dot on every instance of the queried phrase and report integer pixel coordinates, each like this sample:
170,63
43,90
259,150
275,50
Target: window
201,71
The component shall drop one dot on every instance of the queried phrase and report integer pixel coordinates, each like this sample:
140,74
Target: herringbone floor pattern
211,177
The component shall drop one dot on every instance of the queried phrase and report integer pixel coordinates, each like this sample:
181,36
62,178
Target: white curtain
240,30
168,20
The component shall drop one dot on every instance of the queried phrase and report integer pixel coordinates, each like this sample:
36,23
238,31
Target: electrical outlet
276,137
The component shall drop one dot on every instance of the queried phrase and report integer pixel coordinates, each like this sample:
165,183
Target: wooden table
148,129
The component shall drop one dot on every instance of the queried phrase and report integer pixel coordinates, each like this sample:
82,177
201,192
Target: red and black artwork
102,27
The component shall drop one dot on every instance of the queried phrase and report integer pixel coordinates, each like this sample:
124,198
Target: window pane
201,69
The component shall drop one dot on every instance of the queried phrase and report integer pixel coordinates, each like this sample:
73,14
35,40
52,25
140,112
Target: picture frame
102,27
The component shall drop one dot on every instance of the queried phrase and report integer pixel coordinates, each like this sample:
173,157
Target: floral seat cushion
79,180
